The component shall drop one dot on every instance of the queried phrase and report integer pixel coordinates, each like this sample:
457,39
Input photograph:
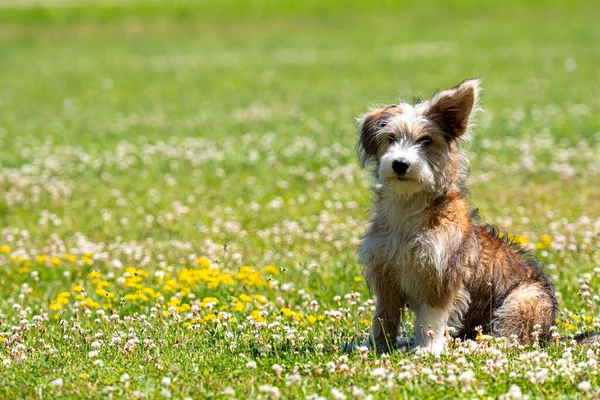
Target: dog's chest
403,252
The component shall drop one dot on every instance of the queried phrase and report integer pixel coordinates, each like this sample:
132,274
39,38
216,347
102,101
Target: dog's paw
348,347
405,345
434,348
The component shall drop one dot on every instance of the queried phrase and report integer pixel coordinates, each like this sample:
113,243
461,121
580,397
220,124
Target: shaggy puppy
425,248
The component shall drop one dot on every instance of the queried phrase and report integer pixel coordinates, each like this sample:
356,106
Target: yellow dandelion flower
87,259
521,240
103,284
256,316
90,303
55,261
203,262
209,317
249,276
245,298
70,257
271,269
173,302
357,279
190,322
62,300
133,283
95,275
287,312
210,299
261,299
311,319
41,259
184,308
546,240
226,279
104,293
54,306
5,249
77,288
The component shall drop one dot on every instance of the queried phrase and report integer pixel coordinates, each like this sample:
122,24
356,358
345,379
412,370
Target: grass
181,205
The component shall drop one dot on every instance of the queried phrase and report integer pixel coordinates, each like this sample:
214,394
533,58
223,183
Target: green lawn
181,205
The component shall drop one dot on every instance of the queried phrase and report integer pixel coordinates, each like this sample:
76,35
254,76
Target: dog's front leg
386,321
430,328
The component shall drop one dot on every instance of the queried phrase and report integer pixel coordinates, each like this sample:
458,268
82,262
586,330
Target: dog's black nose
400,166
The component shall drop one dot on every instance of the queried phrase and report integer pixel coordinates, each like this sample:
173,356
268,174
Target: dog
425,248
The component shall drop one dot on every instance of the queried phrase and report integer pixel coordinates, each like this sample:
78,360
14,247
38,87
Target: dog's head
415,148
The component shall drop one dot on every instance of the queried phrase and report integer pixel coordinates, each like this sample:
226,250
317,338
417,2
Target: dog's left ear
453,108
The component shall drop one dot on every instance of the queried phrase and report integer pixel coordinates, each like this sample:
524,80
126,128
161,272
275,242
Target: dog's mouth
403,179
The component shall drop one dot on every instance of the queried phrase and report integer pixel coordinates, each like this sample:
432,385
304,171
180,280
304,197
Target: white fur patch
430,329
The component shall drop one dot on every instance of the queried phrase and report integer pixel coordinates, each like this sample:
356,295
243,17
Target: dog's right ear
370,127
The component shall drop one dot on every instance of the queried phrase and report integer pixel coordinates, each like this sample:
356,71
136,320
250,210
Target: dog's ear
370,126
453,109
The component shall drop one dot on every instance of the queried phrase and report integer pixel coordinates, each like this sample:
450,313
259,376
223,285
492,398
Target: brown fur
370,142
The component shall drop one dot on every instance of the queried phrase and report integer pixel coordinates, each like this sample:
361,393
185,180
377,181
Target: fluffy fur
425,249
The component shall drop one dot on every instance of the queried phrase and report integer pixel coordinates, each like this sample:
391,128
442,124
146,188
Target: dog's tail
587,338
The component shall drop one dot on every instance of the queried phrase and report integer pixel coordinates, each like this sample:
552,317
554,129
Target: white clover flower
584,386
336,394
277,369
57,382
228,391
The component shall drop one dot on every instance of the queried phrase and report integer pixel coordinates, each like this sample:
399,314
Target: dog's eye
392,139
426,141
382,123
